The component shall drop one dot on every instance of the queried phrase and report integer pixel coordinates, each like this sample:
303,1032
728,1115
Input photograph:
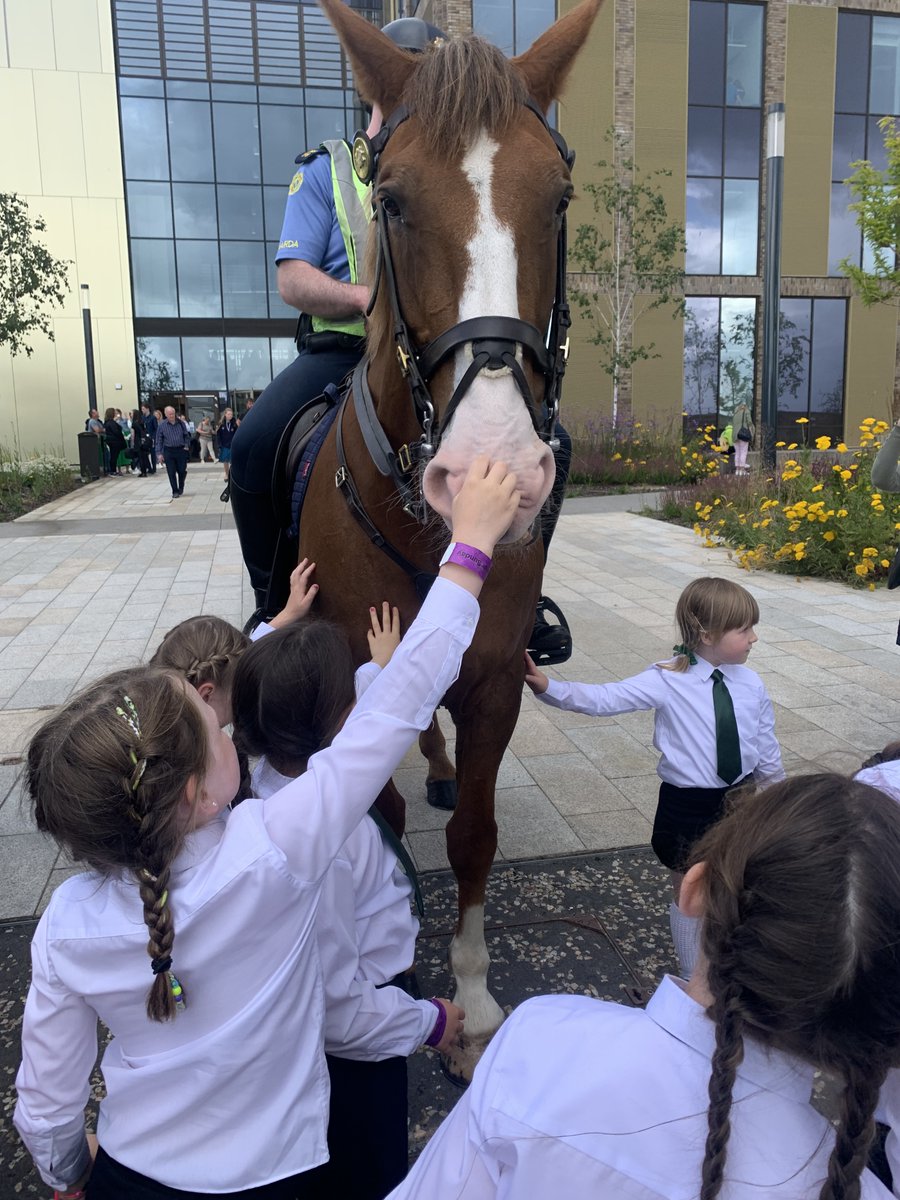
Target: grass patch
27,483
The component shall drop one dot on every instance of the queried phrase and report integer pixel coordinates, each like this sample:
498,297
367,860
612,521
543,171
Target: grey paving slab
27,860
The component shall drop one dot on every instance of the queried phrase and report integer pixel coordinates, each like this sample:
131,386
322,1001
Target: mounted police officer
318,263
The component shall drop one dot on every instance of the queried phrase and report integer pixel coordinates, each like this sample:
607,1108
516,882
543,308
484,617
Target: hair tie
683,652
177,993
158,965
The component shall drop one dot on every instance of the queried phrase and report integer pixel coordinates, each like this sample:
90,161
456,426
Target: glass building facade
216,98
512,25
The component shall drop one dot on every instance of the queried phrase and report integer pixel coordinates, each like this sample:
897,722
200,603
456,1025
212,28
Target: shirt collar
681,1016
704,669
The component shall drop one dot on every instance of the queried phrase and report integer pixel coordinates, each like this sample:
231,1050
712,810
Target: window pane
149,210
281,131
533,17
191,140
745,45
249,367
140,87
852,63
704,152
182,89
884,92
244,279
740,226
706,72
144,138
240,212
234,91
493,20
237,142
281,95
322,124
274,199
284,352
701,356
876,151
159,365
793,357
827,385
843,233
849,145
738,324
704,198
153,274
195,210
743,133
204,364
198,280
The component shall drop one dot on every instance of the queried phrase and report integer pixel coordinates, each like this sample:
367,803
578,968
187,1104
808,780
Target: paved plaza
91,583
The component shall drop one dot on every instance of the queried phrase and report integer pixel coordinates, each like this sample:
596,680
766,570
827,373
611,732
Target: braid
855,1131
209,669
203,649
727,1057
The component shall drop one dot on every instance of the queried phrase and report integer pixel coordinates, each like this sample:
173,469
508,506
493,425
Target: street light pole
88,345
772,278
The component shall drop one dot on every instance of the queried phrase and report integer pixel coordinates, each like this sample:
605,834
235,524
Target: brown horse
468,262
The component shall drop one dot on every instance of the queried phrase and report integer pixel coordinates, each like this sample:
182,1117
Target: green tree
633,254
877,207
31,279
154,374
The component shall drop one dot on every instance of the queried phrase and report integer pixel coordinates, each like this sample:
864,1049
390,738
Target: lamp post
88,345
772,278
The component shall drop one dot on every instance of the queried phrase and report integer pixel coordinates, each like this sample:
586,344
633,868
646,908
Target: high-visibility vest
353,205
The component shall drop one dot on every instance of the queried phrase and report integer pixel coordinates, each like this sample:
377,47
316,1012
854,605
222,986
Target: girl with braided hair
706,1093
216,1082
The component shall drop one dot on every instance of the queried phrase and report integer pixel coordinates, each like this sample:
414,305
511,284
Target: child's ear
705,638
692,894
191,790
205,690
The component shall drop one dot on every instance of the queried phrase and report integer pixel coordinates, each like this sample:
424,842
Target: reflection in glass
240,212
793,355
195,210
701,355
703,238
704,147
322,124
269,94
149,210
204,364
843,232
140,87
277,307
198,279
827,382
191,140
884,88
237,142
743,136
249,366
185,89
159,363
706,71
849,145
744,66
281,134
740,224
274,200
234,91
852,63
737,357
876,151
284,351
533,17
153,278
244,279
144,138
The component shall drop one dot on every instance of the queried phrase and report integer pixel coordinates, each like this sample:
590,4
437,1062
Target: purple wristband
439,1026
469,557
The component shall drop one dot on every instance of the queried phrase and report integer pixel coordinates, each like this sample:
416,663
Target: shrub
27,483
636,453
816,516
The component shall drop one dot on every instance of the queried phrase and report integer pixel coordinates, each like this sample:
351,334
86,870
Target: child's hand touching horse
384,636
454,1017
302,595
534,676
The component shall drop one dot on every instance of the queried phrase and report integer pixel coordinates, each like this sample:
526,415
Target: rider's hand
302,595
484,507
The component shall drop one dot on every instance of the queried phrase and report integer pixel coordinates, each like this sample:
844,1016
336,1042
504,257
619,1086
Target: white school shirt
366,934
886,777
684,731
589,1100
233,1093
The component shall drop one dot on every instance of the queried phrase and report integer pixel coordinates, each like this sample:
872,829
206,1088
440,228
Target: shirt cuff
261,630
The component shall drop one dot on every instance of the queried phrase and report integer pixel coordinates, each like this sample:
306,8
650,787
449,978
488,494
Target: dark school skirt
110,1180
683,815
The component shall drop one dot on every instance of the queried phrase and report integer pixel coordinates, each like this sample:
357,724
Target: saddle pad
317,436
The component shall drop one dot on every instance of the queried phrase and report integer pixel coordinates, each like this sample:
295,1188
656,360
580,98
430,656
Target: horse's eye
390,206
563,204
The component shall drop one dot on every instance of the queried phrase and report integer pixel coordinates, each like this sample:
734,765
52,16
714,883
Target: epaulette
309,155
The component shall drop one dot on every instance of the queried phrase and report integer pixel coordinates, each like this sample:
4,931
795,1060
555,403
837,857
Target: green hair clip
683,652
132,720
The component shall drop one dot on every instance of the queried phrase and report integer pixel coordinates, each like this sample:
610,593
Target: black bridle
495,343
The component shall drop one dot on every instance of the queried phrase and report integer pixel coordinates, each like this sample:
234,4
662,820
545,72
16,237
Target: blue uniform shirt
311,230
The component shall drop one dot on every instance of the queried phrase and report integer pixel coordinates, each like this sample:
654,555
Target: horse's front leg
440,786
483,730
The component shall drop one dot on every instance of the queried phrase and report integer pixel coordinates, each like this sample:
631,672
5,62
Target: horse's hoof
441,793
458,1066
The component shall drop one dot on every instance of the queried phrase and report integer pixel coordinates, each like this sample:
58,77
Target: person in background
744,430
151,424
205,434
172,441
115,440
141,444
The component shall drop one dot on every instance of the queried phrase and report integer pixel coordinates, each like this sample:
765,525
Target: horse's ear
380,69
547,63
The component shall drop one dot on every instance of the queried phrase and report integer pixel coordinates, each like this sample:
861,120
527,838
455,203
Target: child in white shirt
292,691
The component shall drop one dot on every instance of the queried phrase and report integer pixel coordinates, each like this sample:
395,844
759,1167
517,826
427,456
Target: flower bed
27,483
636,453
818,516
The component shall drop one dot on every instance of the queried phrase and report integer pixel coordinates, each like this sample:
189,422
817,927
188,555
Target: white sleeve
365,676
769,769
312,817
888,1113
261,630
643,691
59,1046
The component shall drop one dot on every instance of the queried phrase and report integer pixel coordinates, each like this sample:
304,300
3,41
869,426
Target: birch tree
877,207
629,260
31,279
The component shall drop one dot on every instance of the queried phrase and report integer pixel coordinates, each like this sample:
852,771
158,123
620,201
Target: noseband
495,341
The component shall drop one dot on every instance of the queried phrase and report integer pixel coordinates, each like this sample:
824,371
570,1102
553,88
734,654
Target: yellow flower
885,562
823,443
792,446
881,426
802,421
778,445
862,569
616,457
829,535
845,475
841,448
871,587
818,487
869,552
767,521
842,512
867,421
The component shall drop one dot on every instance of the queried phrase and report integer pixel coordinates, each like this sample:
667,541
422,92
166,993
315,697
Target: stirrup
549,644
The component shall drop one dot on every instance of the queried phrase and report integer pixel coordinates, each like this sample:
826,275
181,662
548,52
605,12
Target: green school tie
406,863
728,742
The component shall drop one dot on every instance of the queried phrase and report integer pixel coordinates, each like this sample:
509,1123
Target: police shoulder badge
295,183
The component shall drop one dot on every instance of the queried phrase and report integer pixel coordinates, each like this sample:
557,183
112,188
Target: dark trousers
254,447
683,815
367,1130
176,466
111,1181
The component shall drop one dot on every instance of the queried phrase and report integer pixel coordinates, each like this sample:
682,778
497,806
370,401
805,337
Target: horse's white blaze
469,962
492,419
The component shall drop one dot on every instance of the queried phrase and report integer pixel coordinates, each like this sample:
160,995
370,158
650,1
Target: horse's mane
461,87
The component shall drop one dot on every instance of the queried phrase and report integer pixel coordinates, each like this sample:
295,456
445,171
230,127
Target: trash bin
90,455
